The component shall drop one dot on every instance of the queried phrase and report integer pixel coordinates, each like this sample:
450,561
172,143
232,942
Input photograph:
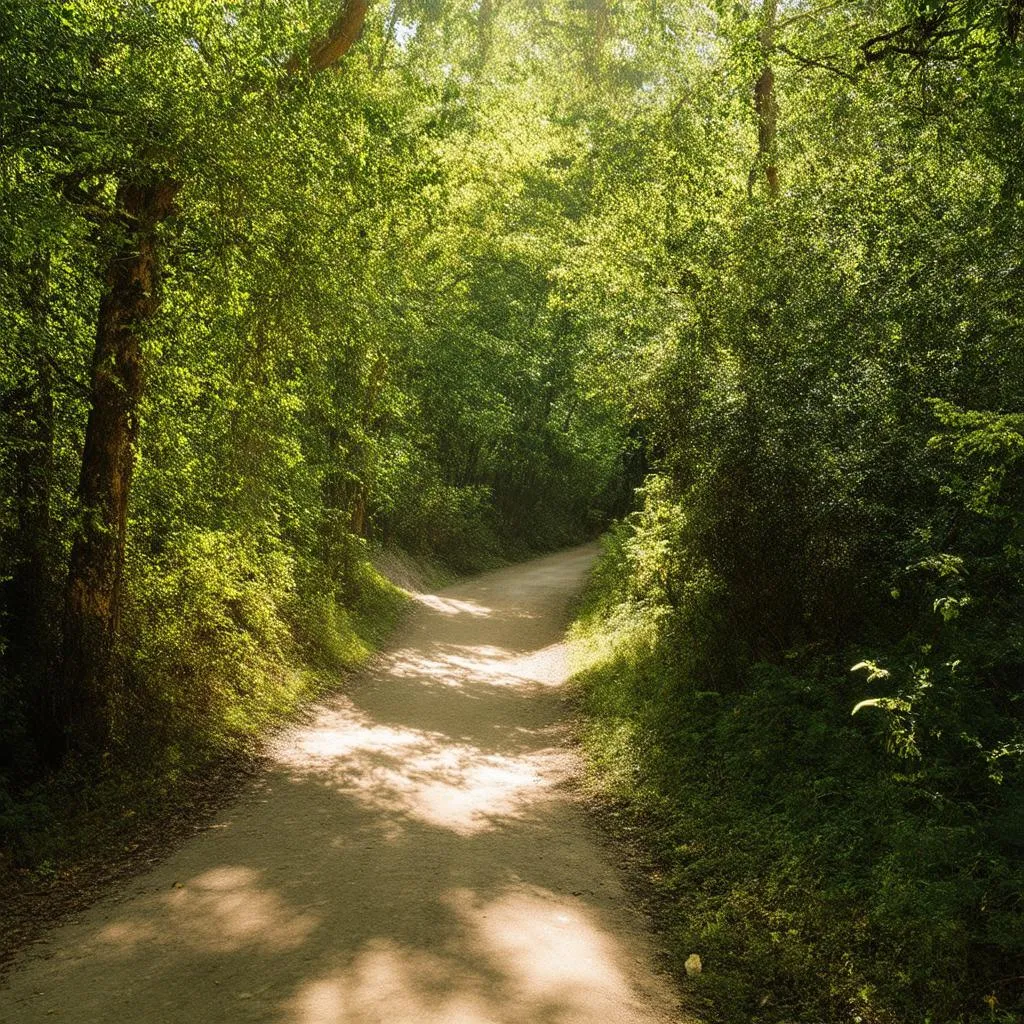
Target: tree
145,195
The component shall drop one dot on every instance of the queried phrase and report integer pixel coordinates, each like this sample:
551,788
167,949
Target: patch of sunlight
548,666
126,935
526,954
456,788
220,911
420,775
552,951
437,665
354,736
461,664
388,982
450,606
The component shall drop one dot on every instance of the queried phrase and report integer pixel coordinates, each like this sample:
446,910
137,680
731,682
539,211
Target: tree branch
344,31
812,62
914,39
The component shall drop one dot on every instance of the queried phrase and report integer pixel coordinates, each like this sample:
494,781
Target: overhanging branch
344,31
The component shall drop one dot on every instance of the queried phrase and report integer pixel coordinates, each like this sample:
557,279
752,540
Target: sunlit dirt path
416,854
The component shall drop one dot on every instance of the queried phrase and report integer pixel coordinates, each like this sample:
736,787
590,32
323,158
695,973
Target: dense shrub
826,866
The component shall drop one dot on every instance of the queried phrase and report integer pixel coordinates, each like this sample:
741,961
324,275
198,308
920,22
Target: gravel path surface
416,853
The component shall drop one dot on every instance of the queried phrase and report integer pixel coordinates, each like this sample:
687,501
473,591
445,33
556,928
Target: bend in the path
414,855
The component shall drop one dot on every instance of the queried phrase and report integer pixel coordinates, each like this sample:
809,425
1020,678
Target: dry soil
417,852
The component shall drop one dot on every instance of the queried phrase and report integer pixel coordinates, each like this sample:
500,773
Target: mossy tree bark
91,597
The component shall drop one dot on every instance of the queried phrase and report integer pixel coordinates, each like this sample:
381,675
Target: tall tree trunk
91,598
344,31
766,105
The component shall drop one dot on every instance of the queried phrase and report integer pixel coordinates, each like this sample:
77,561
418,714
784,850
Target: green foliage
827,374
208,650
818,876
464,294
358,342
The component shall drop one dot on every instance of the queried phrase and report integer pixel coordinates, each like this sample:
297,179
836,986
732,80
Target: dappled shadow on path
413,856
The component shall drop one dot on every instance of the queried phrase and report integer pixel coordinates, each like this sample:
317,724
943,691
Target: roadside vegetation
286,282
269,305
826,867
803,686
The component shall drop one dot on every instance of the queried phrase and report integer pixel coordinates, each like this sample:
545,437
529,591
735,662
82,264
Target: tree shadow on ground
412,856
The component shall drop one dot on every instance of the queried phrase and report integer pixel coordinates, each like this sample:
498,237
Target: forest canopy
285,281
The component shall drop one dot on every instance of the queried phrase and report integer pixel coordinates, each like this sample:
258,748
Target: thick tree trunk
84,702
91,598
344,31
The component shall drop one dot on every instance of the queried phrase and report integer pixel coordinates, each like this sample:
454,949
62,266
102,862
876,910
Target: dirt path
416,854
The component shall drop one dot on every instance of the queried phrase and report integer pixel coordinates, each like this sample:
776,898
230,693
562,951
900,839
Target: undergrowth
220,644
820,876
